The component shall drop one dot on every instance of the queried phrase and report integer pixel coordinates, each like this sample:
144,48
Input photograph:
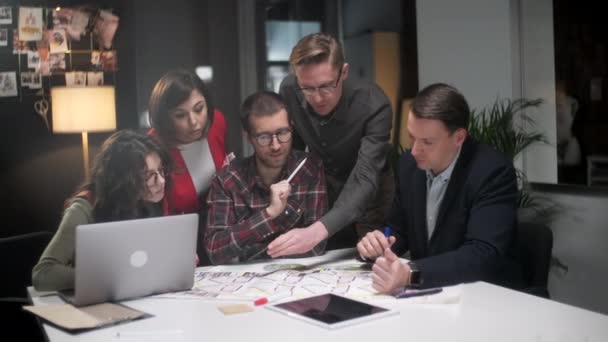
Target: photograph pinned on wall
36,81
30,23
109,59
3,37
33,60
19,46
8,84
45,68
57,41
78,24
106,24
75,79
96,60
74,21
57,61
43,54
6,15
43,47
61,18
26,79
94,78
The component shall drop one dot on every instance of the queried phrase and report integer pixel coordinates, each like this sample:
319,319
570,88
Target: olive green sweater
55,270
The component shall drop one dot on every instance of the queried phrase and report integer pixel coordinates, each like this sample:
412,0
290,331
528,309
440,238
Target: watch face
415,278
415,275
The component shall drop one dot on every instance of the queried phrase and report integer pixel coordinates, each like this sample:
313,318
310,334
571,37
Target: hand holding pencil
297,240
279,192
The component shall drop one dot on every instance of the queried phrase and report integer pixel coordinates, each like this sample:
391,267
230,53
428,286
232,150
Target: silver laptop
135,258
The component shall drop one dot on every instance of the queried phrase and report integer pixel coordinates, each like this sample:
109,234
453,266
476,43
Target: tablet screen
333,310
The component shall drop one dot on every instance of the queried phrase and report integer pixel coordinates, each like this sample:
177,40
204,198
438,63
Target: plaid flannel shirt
238,227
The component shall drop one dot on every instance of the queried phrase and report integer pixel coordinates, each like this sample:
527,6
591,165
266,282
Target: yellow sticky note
235,309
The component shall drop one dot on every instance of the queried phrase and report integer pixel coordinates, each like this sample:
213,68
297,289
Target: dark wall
166,37
39,170
224,58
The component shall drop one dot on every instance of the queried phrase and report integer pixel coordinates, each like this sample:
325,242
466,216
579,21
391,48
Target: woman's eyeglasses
265,139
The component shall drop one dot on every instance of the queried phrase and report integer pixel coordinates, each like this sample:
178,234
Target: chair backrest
535,244
18,255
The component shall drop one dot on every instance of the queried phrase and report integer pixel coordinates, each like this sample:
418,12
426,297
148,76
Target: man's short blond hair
317,48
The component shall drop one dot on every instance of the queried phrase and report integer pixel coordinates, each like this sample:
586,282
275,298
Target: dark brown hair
261,103
117,185
442,102
170,91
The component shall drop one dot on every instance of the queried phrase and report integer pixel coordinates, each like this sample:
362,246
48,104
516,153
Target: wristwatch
415,275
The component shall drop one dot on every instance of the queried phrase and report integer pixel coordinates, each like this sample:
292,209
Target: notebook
135,258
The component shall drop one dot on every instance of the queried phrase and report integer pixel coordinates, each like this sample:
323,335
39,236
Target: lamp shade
83,109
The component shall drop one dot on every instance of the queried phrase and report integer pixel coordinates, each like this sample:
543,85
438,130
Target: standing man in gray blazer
347,125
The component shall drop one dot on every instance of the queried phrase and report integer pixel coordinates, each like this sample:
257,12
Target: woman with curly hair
128,181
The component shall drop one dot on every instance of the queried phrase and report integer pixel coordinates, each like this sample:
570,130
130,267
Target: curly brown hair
117,185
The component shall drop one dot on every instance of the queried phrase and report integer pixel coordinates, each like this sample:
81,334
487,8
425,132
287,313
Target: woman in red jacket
183,118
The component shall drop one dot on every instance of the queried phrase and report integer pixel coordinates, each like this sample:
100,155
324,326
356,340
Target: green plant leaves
502,125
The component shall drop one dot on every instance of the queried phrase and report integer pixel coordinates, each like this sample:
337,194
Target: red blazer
182,196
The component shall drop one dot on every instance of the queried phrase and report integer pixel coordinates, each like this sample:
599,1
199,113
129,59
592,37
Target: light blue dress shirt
436,186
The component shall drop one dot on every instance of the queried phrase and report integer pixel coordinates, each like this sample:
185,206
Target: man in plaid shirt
250,201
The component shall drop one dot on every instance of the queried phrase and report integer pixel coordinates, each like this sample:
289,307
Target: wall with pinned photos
42,47
38,169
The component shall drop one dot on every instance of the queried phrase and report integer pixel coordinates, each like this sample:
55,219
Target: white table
485,313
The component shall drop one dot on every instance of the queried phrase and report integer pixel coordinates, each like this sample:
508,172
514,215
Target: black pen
409,292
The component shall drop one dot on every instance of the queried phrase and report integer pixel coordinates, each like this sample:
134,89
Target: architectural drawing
349,280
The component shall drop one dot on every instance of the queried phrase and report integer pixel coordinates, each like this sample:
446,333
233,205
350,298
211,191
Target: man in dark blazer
454,207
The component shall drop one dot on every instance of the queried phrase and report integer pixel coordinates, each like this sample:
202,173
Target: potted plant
502,125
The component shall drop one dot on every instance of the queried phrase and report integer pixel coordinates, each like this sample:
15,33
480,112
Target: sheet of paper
298,277
30,23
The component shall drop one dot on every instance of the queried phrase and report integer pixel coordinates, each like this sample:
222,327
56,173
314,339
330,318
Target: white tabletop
484,312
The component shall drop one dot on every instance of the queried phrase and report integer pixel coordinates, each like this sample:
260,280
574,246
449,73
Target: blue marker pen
387,231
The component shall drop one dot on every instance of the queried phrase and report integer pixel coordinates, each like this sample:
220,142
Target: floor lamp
83,110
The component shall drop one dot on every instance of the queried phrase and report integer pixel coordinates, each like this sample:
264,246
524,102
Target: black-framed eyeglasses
151,176
265,139
324,90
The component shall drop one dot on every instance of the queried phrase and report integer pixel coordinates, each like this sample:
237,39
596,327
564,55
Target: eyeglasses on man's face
324,90
151,176
265,139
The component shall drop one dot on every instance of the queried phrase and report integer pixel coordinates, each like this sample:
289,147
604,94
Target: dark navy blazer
475,228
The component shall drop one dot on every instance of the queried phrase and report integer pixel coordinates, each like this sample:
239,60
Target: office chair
535,243
18,255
